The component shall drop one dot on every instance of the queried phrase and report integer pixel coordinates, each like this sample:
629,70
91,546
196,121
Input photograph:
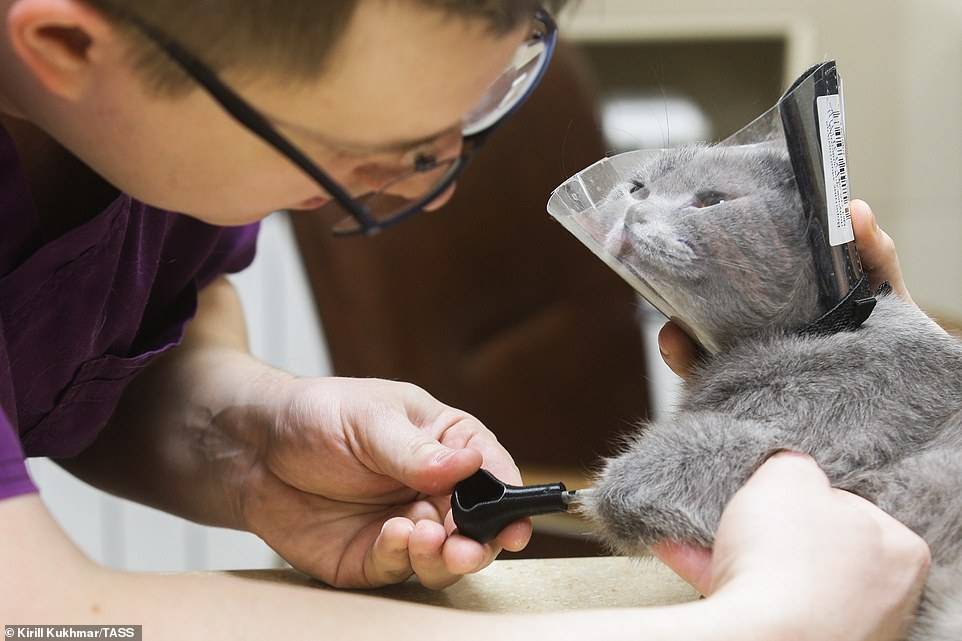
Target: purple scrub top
82,314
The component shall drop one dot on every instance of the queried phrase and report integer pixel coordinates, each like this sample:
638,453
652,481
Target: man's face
402,75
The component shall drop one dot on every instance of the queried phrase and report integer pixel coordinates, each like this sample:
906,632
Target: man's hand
350,481
347,479
794,546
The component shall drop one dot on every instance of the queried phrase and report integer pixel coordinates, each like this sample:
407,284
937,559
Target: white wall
927,154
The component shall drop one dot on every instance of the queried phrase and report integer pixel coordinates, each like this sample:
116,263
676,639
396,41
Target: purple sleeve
14,480
233,251
194,254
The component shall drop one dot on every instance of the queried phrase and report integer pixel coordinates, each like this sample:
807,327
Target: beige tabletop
540,585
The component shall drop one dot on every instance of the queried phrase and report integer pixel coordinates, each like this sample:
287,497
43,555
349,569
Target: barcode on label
831,121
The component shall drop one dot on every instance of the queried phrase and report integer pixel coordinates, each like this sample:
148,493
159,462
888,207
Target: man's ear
60,41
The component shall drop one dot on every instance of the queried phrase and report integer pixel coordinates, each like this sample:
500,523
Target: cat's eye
638,189
709,198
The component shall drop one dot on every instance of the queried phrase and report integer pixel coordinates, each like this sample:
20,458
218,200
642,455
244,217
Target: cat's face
719,233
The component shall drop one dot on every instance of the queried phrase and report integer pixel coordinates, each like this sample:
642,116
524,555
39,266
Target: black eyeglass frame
249,117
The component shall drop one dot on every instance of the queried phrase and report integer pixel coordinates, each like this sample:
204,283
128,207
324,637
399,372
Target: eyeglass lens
413,189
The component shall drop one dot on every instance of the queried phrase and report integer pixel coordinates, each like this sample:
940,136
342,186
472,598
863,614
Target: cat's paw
633,507
674,479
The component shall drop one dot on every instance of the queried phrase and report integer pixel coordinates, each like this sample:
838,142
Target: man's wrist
235,403
762,614
224,377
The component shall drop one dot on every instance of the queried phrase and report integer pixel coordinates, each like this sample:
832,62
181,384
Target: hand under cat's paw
792,531
802,546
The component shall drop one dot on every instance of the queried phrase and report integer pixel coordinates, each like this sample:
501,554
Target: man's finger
458,430
678,350
427,561
690,562
786,470
516,536
464,556
388,560
877,250
413,457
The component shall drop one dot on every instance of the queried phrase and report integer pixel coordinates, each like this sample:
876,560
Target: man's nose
442,156
441,200
449,145
417,184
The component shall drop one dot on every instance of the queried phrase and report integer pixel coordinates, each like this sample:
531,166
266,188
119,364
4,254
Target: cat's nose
637,214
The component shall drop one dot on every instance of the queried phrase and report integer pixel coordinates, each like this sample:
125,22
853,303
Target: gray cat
879,408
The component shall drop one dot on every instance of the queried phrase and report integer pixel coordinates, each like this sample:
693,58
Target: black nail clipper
482,505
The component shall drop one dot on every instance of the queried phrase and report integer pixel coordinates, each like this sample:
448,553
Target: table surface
536,585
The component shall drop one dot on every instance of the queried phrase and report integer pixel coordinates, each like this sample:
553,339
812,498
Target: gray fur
879,408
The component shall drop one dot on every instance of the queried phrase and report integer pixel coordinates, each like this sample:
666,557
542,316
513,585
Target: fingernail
799,456
872,214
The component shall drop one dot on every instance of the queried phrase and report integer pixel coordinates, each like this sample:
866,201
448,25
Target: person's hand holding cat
879,260
812,561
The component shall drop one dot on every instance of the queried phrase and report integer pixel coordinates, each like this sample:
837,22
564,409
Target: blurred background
493,308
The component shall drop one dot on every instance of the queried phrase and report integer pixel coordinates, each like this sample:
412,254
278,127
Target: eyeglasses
403,190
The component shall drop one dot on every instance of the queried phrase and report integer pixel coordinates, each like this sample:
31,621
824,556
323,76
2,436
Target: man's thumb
414,458
690,562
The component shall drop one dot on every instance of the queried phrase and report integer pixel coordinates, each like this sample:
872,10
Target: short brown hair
293,36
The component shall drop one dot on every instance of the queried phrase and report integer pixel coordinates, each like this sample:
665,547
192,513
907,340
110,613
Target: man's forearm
229,608
218,607
181,439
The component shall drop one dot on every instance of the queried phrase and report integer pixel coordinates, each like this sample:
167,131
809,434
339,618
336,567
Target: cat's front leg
674,478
